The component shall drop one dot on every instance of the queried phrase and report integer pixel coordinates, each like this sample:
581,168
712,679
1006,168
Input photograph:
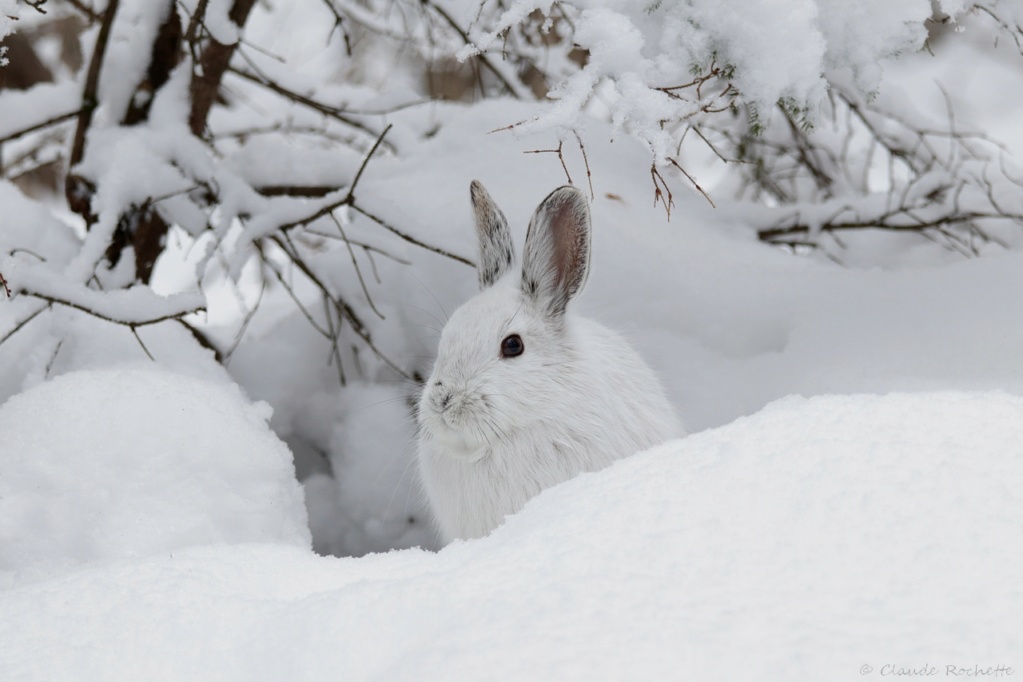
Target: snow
131,38
136,461
806,542
23,109
134,305
152,522
779,51
9,11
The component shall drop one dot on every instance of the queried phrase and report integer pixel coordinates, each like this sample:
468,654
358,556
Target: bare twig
335,337
355,264
586,163
484,60
343,309
109,318
196,21
138,338
561,158
272,85
368,248
365,160
287,287
692,180
21,325
664,196
246,320
410,239
339,24
85,9
60,118
296,190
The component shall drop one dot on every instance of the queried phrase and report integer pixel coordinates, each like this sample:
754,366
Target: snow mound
134,461
820,539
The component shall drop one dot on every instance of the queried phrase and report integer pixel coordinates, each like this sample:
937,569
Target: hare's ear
557,254
496,252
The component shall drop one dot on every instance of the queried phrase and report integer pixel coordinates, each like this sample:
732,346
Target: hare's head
506,355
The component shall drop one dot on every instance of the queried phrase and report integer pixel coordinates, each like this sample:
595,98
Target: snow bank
820,539
136,461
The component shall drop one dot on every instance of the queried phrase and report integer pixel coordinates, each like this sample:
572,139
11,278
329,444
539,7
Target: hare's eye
512,346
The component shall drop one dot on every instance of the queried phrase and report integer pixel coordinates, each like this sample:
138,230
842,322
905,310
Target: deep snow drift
130,462
820,539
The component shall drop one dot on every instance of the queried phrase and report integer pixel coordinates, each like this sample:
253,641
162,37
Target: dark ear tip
567,193
476,190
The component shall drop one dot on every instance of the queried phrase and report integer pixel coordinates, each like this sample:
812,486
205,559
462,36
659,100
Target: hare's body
525,395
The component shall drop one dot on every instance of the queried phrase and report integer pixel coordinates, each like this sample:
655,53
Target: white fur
496,431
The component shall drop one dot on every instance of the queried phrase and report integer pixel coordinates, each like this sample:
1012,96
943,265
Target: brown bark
77,189
216,57
142,227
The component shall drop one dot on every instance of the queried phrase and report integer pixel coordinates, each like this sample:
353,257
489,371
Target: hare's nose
441,396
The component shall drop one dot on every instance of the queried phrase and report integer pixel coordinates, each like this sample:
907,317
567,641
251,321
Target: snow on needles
815,540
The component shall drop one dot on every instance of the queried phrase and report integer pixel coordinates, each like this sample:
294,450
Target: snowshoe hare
524,394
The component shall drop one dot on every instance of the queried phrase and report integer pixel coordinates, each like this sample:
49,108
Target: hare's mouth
460,431
460,419
460,441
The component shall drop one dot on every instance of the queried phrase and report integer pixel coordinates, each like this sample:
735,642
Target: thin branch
287,287
586,163
664,197
89,100
311,191
468,41
342,307
369,248
84,9
60,118
692,180
339,24
335,337
365,160
272,85
410,239
884,222
355,264
246,320
196,21
108,318
561,158
138,338
18,327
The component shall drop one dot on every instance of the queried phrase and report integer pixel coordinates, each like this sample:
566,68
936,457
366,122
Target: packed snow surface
819,539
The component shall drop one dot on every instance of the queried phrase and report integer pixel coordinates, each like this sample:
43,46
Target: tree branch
326,109
60,118
77,189
215,60
132,323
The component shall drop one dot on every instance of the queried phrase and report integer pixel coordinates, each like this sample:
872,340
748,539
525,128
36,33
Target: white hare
524,394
